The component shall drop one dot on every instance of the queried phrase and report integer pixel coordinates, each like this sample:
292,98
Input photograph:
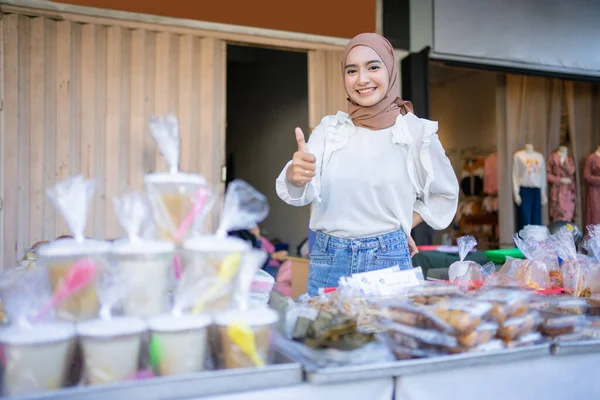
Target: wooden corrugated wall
76,98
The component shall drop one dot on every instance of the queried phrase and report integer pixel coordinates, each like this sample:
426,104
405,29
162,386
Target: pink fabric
591,176
284,279
490,180
267,246
561,201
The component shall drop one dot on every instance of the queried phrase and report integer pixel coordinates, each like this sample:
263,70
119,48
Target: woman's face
365,76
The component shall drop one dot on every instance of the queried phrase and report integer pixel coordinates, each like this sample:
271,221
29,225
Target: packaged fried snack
506,303
555,324
482,334
533,272
464,315
528,339
518,326
422,339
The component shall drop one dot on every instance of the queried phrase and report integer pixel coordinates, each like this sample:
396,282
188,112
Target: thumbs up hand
303,165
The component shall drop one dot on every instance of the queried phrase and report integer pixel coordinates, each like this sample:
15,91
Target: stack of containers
176,303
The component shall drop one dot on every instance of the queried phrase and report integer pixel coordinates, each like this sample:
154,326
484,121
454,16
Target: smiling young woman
372,173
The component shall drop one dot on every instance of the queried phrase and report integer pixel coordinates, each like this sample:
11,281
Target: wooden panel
36,134
186,68
63,110
22,227
161,86
326,93
11,142
138,110
50,212
77,99
113,125
88,113
100,138
212,115
2,144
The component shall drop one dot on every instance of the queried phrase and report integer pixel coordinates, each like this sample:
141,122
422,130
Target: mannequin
529,185
561,177
591,177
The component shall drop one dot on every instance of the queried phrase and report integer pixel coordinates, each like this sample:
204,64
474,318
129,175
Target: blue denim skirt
332,258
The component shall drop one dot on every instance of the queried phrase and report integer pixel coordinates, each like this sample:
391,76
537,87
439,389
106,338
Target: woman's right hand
303,166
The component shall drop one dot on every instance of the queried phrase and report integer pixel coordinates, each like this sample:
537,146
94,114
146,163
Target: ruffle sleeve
429,170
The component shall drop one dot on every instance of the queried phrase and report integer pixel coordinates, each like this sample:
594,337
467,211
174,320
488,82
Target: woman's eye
351,71
374,67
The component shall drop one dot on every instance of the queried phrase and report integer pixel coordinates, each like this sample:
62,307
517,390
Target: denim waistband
388,241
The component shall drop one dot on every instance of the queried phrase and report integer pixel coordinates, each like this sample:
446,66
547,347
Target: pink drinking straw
79,276
200,198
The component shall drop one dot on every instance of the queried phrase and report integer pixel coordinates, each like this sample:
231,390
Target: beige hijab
383,114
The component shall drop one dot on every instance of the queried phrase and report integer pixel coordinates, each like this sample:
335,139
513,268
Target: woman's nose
363,77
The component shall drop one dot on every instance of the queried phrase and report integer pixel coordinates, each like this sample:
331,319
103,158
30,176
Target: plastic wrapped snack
466,274
482,334
555,324
527,339
531,273
464,315
407,313
73,265
421,339
518,326
587,282
506,303
559,304
563,244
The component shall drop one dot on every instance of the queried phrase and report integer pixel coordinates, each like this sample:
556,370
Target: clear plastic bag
533,272
506,303
556,324
73,265
418,338
464,315
314,359
482,334
514,327
466,274
528,339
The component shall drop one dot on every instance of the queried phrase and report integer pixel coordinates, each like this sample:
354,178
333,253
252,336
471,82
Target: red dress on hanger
561,202
591,176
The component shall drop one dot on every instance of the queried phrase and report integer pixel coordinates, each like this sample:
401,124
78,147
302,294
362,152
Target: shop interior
267,98
544,112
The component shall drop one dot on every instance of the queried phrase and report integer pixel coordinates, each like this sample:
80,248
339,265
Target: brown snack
506,303
558,324
483,334
462,314
515,327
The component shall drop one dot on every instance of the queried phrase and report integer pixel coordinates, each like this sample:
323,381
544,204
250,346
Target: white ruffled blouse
369,182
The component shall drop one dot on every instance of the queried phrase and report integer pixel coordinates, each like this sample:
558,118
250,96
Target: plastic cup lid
211,243
111,327
69,247
180,177
252,317
176,323
37,334
125,247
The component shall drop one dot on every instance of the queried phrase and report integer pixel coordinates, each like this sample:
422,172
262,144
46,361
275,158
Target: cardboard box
299,275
